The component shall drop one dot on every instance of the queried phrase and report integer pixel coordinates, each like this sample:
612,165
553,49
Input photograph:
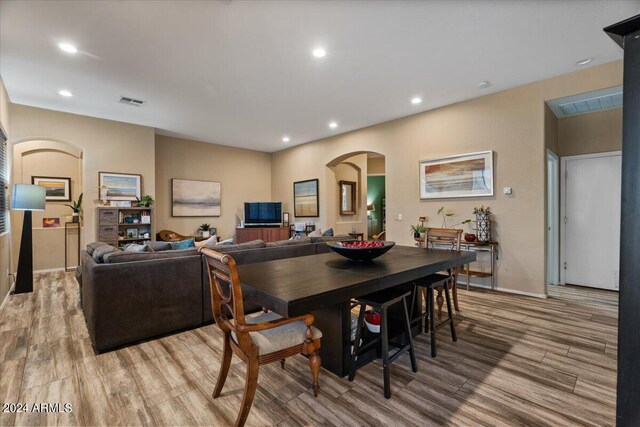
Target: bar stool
428,284
382,301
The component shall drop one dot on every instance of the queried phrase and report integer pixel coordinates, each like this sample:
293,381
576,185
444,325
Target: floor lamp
27,198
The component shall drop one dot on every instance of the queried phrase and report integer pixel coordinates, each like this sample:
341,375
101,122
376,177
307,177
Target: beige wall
595,132
511,123
245,176
106,146
375,166
5,238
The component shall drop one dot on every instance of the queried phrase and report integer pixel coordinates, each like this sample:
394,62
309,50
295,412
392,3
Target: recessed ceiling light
416,100
319,52
69,48
65,92
285,139
484,84
584,61
333,125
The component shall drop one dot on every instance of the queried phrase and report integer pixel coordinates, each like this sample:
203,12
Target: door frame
553,220
563,201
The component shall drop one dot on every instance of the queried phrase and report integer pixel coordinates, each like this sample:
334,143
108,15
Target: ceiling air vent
131,101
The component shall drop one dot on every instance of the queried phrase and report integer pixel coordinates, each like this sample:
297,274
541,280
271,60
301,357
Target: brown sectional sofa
132,296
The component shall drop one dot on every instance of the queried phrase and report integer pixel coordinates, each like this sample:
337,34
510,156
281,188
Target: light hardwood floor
518,361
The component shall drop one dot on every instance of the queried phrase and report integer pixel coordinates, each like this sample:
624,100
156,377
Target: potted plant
146,201
418,230
205,230
76,206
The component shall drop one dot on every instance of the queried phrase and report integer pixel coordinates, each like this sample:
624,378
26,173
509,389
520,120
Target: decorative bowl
361,250
372,320
470,237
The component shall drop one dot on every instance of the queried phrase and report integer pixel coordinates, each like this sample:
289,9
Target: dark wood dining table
324,285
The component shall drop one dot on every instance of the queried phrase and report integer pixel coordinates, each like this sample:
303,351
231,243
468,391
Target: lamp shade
371,207
27,197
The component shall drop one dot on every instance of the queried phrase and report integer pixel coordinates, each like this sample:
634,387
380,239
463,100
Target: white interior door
553,219
592,186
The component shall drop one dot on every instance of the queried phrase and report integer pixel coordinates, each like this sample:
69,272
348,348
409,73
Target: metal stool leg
356,343
385,354
407,324
432,326
453,328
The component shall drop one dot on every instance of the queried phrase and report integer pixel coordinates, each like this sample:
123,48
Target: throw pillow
134,247
226,242
159,246
101,251
92,247
182,244
329,232
316,233
210,241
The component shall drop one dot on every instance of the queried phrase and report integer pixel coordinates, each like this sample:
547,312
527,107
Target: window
4,181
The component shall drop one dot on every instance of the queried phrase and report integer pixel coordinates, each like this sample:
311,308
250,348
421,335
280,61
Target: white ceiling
241,73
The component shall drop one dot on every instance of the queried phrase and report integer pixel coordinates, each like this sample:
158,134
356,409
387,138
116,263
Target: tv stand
262,225
268,234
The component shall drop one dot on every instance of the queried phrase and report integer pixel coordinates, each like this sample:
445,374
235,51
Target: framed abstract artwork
463,175
120,186
195,198
306,198
58,189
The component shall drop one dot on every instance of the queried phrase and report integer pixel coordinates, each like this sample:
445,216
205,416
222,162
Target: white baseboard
505,290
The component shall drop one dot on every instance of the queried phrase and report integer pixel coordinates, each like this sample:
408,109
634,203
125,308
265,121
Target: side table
69,226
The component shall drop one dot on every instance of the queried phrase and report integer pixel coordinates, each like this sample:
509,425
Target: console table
489,247
70,226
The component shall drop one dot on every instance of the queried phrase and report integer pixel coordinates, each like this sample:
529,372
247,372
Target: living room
261,115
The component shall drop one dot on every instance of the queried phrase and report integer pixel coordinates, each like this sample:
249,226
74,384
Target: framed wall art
58,189
120,186
195,198
463,175
306,198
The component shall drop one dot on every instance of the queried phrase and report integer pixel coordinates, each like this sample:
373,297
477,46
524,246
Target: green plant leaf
440,210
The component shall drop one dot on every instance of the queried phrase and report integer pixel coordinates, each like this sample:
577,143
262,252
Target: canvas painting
195,198
465,175
305,198
57,189
120,186
50,222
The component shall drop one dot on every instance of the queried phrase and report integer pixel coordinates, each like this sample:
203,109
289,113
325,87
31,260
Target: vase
205,234
483,227
75,218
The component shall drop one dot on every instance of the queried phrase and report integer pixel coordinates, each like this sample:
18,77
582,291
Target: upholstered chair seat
278,338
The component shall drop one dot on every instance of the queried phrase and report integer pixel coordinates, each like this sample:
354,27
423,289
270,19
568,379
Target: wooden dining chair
257,340
447,238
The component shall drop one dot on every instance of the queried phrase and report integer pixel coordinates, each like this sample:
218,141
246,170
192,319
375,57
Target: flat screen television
258,214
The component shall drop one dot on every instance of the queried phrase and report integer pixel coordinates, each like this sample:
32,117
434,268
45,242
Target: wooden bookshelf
115,229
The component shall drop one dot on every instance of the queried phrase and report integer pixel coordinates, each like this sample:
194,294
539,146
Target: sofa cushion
316,233
339,238
92,246
101,251
285,336
254,244
210,241
119,257
159,246
182,244
288,242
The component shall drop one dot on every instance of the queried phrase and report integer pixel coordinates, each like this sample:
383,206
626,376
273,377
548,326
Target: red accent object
373,318
363,244
469,237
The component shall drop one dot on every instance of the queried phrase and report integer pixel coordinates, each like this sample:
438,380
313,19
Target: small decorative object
50,222
56,189
195,198
448,213
306,198
145,219
132,233
205,230
469,237
285,219
146,201
103,195
136,220
76,207
361,250
372,319
347,197
464,175
145,235
128,220
483,223
120,203
120,186
371,208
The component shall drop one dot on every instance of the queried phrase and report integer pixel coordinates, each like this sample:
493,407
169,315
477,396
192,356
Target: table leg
335,323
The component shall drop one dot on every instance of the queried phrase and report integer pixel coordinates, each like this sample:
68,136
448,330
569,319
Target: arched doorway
368,215
49,159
